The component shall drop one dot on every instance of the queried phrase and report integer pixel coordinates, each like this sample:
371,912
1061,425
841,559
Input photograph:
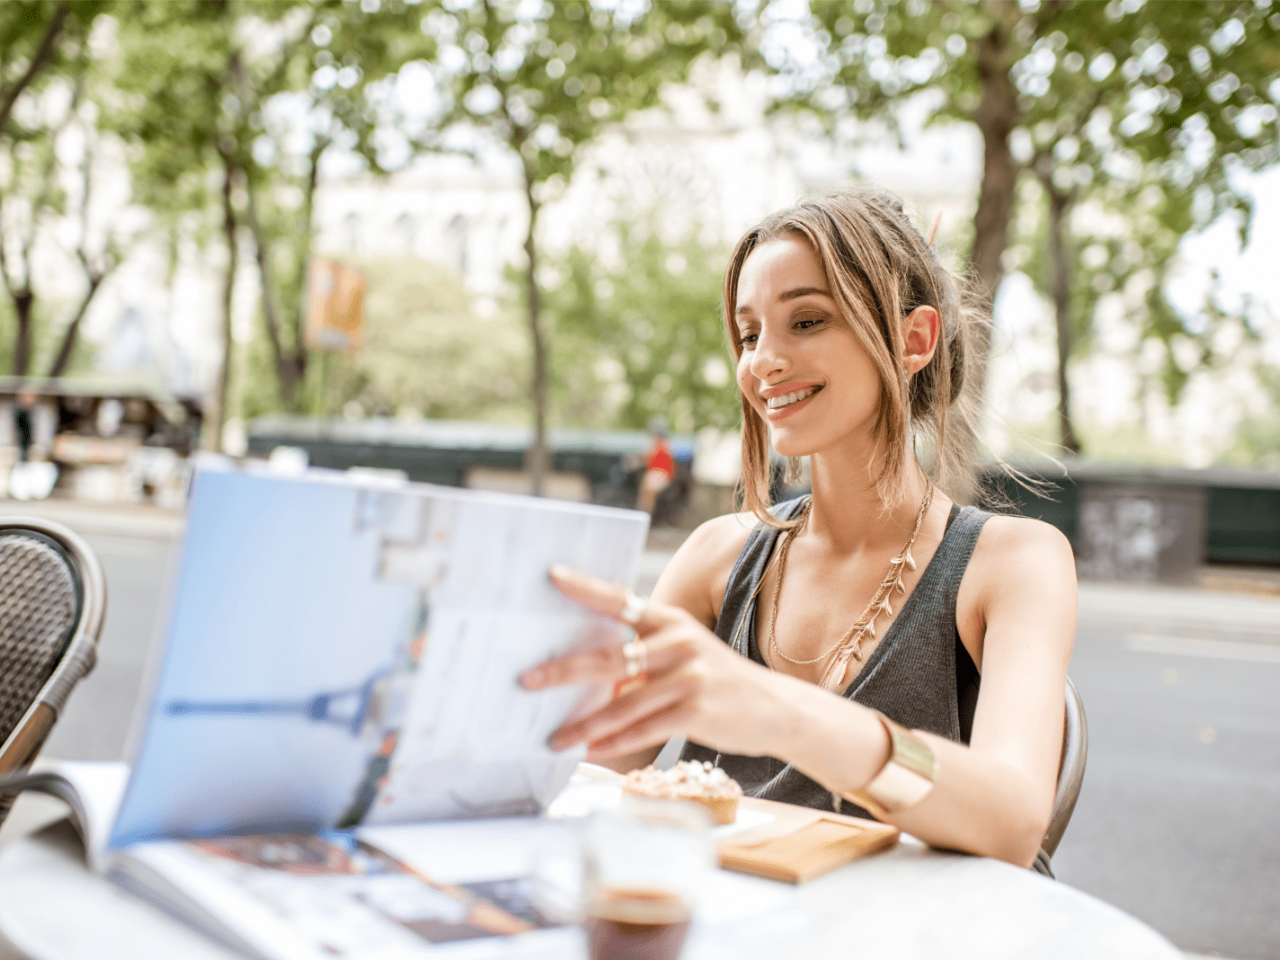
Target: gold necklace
849,645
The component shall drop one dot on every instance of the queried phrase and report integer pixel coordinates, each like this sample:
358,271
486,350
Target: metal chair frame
1075,750
81,652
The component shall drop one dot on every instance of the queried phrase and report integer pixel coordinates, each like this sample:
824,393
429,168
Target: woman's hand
695,685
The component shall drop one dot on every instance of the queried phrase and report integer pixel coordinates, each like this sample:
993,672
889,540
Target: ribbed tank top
919,674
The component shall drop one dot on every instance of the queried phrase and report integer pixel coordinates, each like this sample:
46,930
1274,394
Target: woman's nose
768,358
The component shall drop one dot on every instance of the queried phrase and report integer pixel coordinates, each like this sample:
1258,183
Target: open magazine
340,664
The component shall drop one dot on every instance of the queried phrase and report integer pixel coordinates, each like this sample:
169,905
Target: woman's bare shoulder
1023,553
696,576
1004,536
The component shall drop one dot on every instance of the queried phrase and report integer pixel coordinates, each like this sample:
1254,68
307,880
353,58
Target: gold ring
635,657
632,609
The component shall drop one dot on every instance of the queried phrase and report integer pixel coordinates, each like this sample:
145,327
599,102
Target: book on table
338,675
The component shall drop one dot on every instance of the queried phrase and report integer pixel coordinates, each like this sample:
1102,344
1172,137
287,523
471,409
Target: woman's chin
789,446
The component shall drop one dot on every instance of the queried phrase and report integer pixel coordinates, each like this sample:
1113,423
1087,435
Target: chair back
1075,750
53,599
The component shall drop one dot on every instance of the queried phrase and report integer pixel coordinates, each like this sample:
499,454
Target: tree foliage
232,106
642,338
48,82
419,357
542,80
1135,119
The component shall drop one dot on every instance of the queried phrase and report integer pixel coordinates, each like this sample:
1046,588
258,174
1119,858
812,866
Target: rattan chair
52,601
1075,750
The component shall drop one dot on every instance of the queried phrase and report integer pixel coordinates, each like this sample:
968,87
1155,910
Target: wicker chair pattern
52,603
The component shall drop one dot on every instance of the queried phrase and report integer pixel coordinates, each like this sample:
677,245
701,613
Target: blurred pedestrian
23,415
659,466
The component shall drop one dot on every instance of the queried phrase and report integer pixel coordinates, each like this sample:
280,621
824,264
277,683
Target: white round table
909,902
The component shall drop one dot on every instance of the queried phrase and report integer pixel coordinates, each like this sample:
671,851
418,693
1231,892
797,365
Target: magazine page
308,897
91,789
342,654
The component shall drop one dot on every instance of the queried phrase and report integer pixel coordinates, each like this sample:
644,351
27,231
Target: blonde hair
879,268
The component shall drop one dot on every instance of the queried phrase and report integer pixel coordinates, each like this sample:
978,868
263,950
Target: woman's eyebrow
802,292
792,294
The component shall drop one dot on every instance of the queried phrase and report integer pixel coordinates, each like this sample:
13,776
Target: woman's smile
779,404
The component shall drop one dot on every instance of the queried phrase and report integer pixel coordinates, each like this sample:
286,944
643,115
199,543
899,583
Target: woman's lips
781,413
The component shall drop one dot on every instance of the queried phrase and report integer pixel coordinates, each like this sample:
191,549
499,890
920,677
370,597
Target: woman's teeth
773,403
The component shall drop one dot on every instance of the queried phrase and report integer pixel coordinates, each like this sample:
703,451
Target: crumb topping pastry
687,780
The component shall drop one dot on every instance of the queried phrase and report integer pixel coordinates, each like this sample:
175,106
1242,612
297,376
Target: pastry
689,780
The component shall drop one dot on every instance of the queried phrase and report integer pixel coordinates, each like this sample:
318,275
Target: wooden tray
800,843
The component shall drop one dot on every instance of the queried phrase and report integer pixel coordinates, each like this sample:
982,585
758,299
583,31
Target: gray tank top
919,674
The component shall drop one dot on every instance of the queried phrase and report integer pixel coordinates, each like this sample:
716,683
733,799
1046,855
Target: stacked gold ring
635,657
632,609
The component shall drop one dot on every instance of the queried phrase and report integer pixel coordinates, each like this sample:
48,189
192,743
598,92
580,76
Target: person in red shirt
659,467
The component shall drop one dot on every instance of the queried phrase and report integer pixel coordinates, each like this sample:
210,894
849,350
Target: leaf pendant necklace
848,646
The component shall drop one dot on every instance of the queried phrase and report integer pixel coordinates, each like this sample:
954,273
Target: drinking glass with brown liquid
644,864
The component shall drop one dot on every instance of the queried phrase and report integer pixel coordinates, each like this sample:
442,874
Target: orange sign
335,306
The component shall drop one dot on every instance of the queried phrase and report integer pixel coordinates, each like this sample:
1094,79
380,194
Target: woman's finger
656,653
609,599
655,729
621,713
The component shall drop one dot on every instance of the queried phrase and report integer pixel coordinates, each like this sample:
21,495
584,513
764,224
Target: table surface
908,902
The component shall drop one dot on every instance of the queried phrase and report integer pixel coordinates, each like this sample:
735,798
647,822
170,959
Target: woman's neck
848,514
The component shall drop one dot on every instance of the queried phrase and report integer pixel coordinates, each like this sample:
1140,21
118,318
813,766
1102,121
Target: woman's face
802,368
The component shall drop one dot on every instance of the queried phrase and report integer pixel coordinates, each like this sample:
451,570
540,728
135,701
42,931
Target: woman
874,646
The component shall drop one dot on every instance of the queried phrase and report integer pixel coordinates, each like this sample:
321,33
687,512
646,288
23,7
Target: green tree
30,31
1106,100
46,79
207,87
420,355
180,65
542,80
322,93
643,334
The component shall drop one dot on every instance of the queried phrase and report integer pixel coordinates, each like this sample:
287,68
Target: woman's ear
920,330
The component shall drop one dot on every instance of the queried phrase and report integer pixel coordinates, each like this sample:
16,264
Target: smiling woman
874,644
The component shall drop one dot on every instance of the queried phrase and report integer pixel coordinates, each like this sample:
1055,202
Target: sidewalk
1194,610
125,520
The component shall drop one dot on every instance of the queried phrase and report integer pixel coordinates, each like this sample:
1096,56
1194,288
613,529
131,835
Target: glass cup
643,866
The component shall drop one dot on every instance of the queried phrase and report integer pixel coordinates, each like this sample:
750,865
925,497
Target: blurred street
1176,820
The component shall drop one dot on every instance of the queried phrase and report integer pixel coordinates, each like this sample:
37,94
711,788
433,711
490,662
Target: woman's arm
992,798
995,796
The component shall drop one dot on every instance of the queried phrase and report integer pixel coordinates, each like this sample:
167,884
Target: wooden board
800,843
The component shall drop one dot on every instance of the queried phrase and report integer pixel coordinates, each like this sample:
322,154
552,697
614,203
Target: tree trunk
996,116
228,291
537,460
302,279
23,302
1060,287
286,368
63,359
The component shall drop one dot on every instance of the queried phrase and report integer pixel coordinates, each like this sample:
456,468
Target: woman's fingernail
529,679
560,572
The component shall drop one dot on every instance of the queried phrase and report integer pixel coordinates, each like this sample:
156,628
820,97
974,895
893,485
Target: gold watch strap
904,780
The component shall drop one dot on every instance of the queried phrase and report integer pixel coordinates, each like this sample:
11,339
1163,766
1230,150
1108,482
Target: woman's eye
748,339
807,322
